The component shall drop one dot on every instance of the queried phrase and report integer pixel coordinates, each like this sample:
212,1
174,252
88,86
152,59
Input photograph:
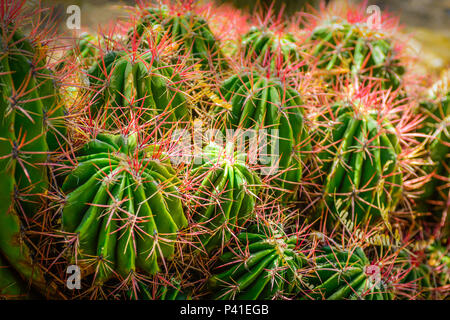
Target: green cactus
190,31
264,265
346,274
128,86
267,47
436,126
123,205
226,194
274,111
30,114
168,291
415,276
356,50
358,157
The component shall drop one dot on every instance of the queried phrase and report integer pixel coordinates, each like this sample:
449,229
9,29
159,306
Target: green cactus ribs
123,205
358,154
274,48
347,274
226,191
130,87
356,50
184,27
31,125
435,193
264,264
169,290
266,104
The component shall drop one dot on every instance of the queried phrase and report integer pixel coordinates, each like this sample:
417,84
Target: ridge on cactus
346,274
128,86
268,106
122,205
262,265
225,195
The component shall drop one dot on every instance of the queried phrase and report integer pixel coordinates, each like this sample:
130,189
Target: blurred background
427,22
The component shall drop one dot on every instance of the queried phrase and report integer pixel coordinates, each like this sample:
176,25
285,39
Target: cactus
436,126
358,151
128,86
275,111
122,206
274,48
168,291
31,120
225,193
415,277
346,274
344,48
263,265
184,27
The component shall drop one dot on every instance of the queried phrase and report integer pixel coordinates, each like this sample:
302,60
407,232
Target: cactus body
436,126
123,206
190,31
270,48
346,275
355,49
27,107
361,176
275,113
172,291
264,266
226,196
128,87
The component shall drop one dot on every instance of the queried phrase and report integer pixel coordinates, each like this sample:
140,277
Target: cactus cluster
332,181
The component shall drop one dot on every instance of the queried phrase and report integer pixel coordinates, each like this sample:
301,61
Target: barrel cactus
183,26
346,274
123,206
168,291
225,195
127,86
414,275
436,128
274,48
358,155
274,111
355,49
31,115
263,265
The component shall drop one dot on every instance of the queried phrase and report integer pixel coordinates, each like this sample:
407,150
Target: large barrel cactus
274,48
357,50
346,274
275,112
127,86
436,128
170,290
30,121
183,26
264,265
358,156
123,205
225,193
